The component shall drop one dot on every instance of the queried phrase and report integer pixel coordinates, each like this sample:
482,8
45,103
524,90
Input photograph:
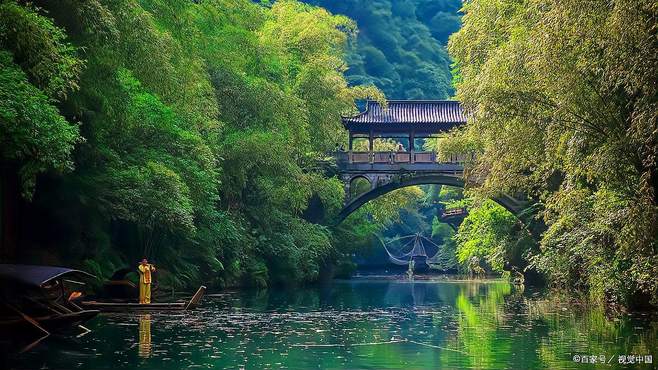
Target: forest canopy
564,102
400,46
186,132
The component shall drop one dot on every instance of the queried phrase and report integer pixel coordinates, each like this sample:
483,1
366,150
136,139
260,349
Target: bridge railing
382,157
425,157
393,157
401,157
360,157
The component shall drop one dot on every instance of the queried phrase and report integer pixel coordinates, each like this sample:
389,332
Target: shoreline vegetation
564,105
190,133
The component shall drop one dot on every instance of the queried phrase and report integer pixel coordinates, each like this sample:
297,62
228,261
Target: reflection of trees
587,330
499,327
472,324
480,314
465,324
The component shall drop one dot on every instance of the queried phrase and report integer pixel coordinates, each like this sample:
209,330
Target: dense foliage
192,133
400,47
564,101
37,70
196,126
492,239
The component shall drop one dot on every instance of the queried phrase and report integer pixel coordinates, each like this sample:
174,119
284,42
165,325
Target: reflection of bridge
369,173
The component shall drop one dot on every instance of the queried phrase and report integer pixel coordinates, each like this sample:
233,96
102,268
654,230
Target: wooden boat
123,306
38,297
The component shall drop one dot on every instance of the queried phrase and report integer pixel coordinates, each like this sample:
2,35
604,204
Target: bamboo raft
123,306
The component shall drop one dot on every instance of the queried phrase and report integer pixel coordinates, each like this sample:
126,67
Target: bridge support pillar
412,149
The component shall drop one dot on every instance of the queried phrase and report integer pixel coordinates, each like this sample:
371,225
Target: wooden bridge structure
367,173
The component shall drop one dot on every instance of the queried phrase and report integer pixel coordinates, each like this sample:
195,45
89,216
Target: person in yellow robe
145,270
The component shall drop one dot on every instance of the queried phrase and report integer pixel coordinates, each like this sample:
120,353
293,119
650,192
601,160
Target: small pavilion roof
440,113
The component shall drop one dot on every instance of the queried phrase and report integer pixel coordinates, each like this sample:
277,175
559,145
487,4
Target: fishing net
402,253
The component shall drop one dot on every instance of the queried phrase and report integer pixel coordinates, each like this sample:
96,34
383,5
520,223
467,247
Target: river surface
364,323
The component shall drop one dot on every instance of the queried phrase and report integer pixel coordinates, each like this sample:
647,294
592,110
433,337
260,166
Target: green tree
563,98
400,47
38,68
203,124
492,235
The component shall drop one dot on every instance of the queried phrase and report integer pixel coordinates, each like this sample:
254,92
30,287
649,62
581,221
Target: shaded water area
364,323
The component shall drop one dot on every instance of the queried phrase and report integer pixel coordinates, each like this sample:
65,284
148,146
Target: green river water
364,323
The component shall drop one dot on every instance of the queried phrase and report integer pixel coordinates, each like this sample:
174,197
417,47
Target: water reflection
361,324
144,347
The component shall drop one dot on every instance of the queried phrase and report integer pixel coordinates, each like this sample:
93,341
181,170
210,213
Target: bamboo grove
192,132
564,101
186,132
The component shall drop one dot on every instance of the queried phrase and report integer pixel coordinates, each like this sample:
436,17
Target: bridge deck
447,168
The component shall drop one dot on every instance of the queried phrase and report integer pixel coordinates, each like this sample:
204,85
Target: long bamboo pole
28,319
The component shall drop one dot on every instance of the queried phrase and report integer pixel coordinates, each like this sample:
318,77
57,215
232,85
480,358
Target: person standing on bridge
401,148
145,269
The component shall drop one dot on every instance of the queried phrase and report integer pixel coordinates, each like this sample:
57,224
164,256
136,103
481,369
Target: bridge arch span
509,203
359,185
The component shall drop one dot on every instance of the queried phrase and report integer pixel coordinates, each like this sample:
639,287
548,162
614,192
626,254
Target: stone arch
361,184
509,203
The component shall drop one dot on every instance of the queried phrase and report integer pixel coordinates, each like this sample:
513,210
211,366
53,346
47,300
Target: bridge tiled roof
410,112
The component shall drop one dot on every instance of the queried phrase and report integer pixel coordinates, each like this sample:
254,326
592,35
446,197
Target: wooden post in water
196,298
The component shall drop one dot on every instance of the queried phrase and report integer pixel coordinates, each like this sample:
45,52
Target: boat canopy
34,275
